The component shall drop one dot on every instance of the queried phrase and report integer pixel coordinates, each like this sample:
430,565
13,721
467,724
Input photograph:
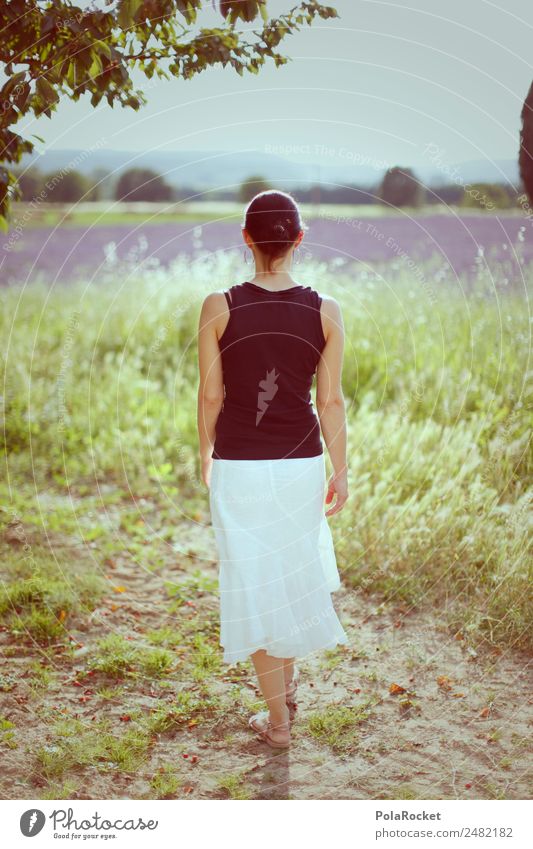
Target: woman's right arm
330,401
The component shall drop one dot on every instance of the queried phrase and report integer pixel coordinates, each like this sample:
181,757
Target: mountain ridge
228,169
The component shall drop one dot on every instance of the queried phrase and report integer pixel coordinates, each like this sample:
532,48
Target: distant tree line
398,188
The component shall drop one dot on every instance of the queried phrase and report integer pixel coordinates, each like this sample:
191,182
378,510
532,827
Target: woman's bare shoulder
330,308
214,303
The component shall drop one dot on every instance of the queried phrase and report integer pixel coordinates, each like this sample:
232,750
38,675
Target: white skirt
277,565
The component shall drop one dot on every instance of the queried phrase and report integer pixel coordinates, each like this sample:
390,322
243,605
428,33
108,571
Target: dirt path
456,725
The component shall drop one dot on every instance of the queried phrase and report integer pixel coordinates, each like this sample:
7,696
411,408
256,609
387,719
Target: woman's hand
207,465
337,485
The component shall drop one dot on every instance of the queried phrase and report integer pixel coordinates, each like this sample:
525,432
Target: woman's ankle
281,732
280,720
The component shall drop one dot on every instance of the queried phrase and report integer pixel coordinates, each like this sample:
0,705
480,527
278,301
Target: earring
246,257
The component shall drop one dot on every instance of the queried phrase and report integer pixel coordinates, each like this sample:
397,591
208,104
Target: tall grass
100,385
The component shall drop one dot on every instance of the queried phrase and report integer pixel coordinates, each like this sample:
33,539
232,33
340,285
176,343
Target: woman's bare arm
211,386
330,401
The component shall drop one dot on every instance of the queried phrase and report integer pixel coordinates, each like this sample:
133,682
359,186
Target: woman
260,344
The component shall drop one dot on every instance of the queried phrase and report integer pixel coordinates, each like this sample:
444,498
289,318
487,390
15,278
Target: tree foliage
400,188
55,50
525,158
142,184
30,183
63,186
488,196
251,187
68,187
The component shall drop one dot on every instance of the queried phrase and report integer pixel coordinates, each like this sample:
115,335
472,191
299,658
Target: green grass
66,219
205,658
165,783
166,636
186,707
101,387
40,593
73,746
67,215
332,658
59,790
194,586
41,676
404,791
116,656
109,693
51,593
7,735
234,787
338,727
155,662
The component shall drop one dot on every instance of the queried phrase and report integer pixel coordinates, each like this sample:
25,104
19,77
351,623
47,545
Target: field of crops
60,246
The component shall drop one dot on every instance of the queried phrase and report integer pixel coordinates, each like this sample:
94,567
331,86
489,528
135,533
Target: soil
447,719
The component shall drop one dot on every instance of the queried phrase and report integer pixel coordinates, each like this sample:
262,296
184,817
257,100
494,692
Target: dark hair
273,222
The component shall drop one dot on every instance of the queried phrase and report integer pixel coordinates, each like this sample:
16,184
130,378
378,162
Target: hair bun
273,222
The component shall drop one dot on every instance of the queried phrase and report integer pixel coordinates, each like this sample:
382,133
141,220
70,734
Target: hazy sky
383,81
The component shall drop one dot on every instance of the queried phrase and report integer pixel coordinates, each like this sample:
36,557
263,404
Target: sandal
290,693
260,722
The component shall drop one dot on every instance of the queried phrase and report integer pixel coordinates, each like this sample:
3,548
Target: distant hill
223,169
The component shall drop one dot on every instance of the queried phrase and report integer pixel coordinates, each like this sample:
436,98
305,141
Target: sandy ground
446,720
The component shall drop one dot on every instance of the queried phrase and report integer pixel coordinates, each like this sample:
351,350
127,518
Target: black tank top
270,350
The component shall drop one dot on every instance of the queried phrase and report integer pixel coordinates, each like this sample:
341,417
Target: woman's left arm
211,386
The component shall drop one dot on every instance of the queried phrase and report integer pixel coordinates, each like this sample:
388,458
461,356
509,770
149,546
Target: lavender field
454,246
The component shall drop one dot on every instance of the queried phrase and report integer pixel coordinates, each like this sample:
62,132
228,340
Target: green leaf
71,75
126,12
46,92
96,67
48,23
104,48
187,9
12,83
20,96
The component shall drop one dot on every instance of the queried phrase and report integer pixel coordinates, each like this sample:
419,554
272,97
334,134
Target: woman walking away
260,344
